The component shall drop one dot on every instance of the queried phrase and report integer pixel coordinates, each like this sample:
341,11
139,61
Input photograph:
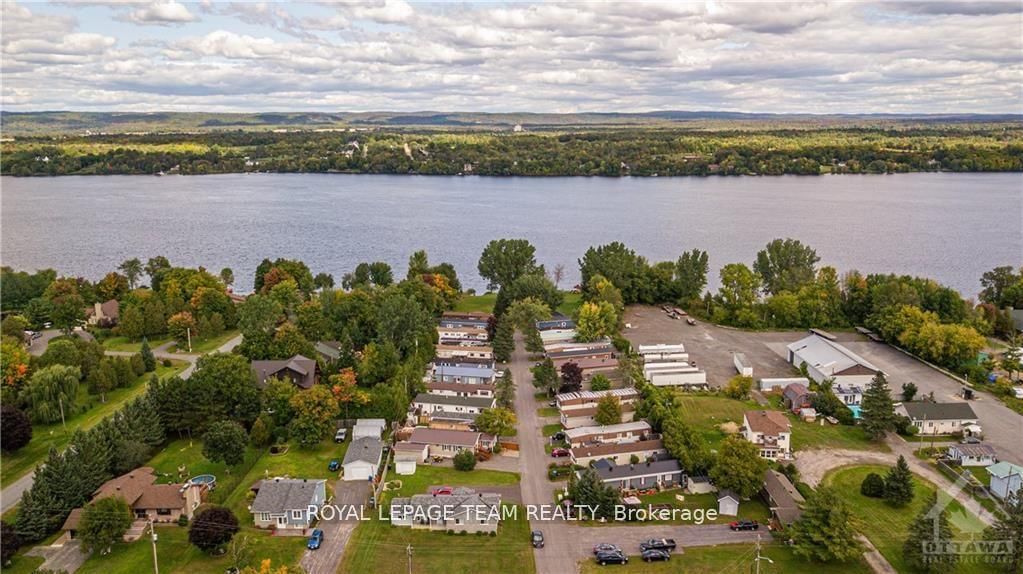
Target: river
951,227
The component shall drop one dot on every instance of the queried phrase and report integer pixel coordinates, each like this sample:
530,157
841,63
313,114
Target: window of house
264,516
296,514
163,511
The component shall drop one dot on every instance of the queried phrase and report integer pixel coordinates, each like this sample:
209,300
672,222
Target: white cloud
163,13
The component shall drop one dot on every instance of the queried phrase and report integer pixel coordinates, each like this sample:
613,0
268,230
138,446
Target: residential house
329,350
582,352
373,428
1006,479
782,498
663,352
464,510
447,407
796,397
301,371
447,443
463,362
557,336
560,322
586,416
850,395
456,334
482,351
362,459
474,319
578,408
461,389
972,454
618,453
771,431
407,455
105,314
941,418
728,503
590,366
625,432
466,375
283,503
826,359
664,473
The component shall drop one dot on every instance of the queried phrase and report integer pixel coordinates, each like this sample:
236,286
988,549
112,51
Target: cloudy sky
852,57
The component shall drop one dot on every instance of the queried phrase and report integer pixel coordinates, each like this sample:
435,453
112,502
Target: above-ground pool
207,480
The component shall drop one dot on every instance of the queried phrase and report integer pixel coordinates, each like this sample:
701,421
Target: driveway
38,346
67,558
336,533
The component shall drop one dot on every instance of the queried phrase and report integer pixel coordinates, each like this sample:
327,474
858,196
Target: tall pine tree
504,341
926,548
1007,532
898,484
824,532
877,411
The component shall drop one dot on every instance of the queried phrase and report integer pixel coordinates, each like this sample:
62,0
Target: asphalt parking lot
712,346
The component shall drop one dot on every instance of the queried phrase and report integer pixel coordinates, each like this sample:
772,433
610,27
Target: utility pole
408,552
188,333
60,400
152,532
759,557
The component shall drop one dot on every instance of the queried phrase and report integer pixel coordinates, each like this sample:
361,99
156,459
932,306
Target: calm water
952,227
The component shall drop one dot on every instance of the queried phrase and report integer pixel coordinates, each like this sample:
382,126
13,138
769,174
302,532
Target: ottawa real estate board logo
969,540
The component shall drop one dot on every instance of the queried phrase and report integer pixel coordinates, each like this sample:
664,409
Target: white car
340,435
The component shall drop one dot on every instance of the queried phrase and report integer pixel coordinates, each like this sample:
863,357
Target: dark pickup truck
658,544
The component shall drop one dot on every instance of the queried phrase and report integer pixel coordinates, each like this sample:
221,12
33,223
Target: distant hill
52,123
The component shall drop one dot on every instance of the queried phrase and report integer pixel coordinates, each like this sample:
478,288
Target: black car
656,555
666,544
604,558
537,539
744,525
606,547
558,436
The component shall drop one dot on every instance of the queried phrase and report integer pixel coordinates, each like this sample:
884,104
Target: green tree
545,376
132,270
786,265
1002,287
825,533
739,387
898,484
418,265
505,390
684,443
609,410
212,528
595,321
504,340
314,413
532,286
181,327
259,434
402,322
872,486
288,341
67,306
148,358
104,523
931,526
505,260
739,467
691,274
877,411
379,363
225,441
497,421
132,324
588,491
909,391
15,429
1008,528
14,326
155,317
10,542
600,382
50,392
465,460
739,287
227,276
622,267
277,401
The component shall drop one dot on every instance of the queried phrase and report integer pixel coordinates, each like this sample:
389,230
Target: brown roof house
103,314
769,430
301,371
782,498
148,500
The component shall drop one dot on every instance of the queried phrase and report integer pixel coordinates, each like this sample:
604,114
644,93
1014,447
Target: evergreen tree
898,484
545,376
9,543
89,455
872,486
824,533
504,341
1008,529
505,391
588,490
148,358
877,411
931,528
685,444
104,523
534,342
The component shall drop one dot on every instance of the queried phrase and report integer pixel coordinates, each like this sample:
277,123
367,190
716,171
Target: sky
803,57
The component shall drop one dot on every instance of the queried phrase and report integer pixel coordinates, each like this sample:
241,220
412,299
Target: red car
744,525
441,490
559,452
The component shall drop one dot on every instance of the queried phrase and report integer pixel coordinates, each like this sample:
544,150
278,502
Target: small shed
407,455
368,428
742,364
728,503
699,485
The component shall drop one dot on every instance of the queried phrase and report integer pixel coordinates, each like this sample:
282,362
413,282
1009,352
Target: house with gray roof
283,503
301,371
462,510
651,474
782,498
941,418
826,359
449,407
362,459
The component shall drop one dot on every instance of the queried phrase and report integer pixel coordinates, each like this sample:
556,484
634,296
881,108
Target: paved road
336,533
568,543
38,346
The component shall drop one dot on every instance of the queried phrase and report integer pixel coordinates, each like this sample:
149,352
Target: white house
430,404
941,418
618,453
848,394
373,428
462,334
777,384
972,454
1006,478
363,458
578,408
771,431
826,359
407,455
625,432
743,366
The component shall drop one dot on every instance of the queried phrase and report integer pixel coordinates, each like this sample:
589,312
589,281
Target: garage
362,459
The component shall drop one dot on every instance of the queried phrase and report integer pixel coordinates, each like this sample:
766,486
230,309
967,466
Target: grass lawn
480,303
550,429
176,555
15,465
22,564
125,344
728,558
707,412
427,476
376,547
547,412
188,453
571,303
753,509
812,435
886,526
207,345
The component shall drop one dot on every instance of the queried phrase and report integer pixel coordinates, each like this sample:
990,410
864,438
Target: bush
872,486
183,520
465,460
15,429
904,426
634,459
166,363
600,383
497,448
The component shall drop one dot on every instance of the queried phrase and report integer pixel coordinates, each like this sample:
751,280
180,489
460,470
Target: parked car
656,555
970,440
441,490
340,435
605,558
560,435
744,525
552,403
691,321
537,539
667,544
334,465
559,452
606,547
315,540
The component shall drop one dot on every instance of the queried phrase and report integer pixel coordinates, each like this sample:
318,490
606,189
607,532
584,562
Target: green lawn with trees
728,558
